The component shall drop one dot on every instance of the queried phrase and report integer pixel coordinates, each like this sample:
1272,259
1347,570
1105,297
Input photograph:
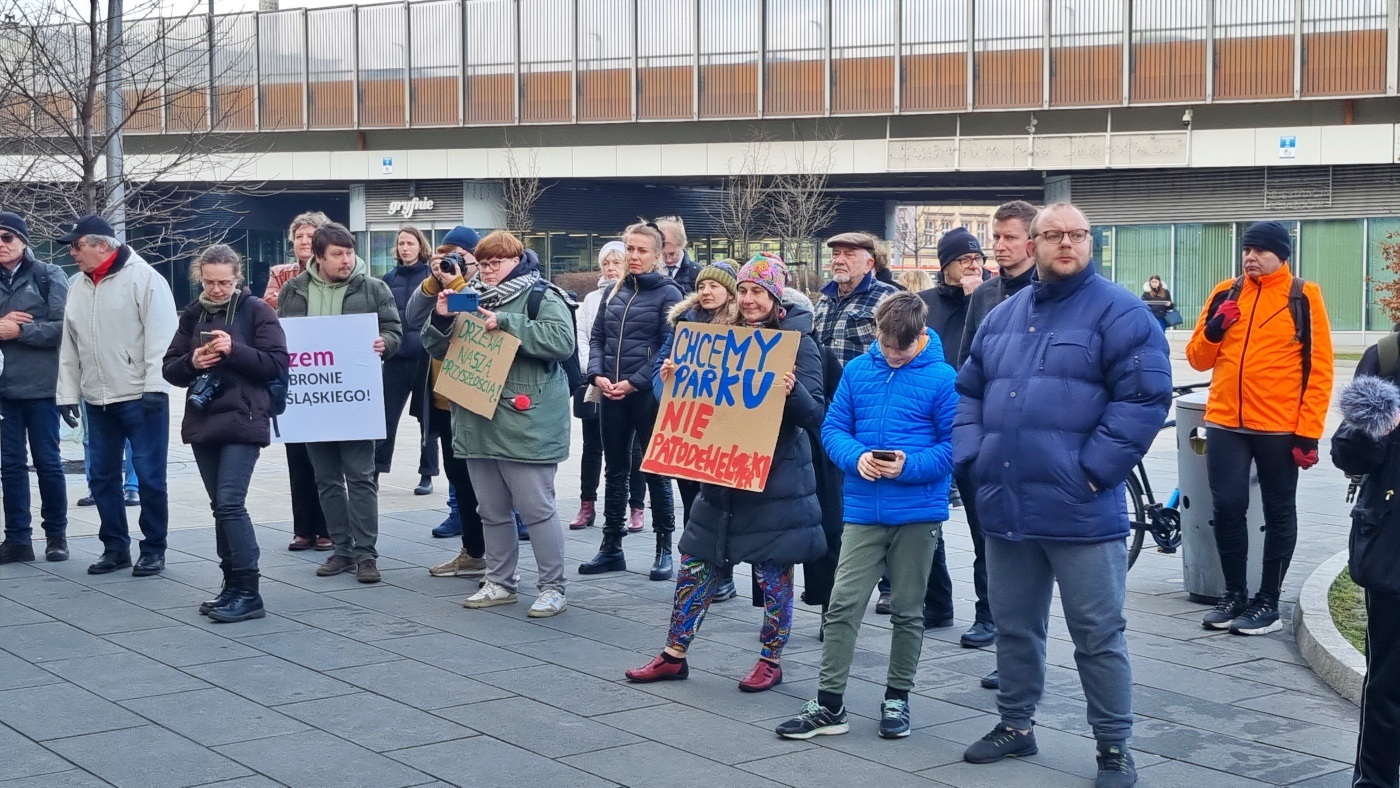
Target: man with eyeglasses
679,266
1067,385
118,322
32,295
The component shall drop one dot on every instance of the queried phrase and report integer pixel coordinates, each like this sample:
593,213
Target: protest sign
474,369
336,387
721,409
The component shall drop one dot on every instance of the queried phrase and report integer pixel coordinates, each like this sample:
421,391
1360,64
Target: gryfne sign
406,208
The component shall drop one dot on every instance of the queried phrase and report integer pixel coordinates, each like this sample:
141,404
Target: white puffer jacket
115,334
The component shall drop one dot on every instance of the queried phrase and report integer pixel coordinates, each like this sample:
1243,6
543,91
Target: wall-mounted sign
387,165
1288,147
406,208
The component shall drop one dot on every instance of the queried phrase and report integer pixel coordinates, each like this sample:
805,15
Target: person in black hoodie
406,372
228,347
629,331
1368,445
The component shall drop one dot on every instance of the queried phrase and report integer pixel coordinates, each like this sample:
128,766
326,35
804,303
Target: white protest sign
337,383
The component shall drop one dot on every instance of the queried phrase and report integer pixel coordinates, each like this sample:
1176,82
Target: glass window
1139,251
1330,253
1205,256
1380,233
381,251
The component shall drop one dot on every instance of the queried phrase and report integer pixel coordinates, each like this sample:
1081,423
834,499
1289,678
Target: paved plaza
117,680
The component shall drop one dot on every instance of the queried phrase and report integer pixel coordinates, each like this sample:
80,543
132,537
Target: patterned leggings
695,585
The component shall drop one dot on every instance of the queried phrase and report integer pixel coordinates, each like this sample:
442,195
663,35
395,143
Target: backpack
278,386
1388,352
1298,308
572,371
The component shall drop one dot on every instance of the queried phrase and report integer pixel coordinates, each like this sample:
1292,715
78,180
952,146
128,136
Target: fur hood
1370,404
729,316
794,296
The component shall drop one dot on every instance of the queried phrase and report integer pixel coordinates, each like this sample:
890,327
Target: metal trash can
1200,561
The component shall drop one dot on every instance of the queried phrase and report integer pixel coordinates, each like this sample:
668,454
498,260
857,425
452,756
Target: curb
1331,656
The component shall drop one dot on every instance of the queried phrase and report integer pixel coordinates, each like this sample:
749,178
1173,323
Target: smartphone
205,337
462,302
883,456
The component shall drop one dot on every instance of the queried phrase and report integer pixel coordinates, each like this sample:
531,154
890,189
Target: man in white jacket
117,325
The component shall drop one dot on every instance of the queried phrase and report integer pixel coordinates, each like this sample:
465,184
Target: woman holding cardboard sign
773,530
630,329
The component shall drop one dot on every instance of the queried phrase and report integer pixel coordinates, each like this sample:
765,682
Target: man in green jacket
513,456
336,282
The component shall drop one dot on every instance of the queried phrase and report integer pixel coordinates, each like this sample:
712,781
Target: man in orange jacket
1269,343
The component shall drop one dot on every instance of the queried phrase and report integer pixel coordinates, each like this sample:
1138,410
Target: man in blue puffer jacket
890,429
1068,383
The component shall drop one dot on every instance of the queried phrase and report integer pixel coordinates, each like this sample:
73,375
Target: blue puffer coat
909,408
630,329
1067,384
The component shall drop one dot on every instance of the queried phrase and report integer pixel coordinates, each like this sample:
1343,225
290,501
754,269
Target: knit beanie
462,236
610,247
15,224
721,271
768,271
955,243
1269,236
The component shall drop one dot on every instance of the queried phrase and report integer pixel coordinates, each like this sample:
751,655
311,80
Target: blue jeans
109,428
129,482
226,469
1093,581
35,421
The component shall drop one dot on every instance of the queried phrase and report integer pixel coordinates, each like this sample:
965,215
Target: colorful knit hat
721,271
767,271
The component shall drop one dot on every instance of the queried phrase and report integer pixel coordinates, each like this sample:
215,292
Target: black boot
661,567
246,602
608,559
225,594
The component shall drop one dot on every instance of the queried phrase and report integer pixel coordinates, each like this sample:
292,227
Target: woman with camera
406,372
228,348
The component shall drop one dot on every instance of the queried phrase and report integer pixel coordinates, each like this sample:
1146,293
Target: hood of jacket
689,310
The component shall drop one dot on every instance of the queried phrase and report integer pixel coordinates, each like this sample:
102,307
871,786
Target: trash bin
1200,561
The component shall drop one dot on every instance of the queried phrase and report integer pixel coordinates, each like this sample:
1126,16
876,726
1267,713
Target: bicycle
1146,514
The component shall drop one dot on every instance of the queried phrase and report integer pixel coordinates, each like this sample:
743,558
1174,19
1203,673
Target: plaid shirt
847,324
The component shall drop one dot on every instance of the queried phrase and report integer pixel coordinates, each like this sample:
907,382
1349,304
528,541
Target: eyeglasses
495,263
1056,236
8,238
222,284
972,259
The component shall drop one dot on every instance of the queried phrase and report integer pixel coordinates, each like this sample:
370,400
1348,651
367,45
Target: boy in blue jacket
890,430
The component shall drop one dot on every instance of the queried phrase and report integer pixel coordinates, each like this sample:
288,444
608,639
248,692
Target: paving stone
16,673
418,685
717,694
266,625
318,649
1337,779
1204,684
82,712
1285,675
570,690
701,733
523,723
12,613
1228,754
470,761
39,643
254,781
270,681
814,765
1315,740
457,654
374,722
147,757
492,627
396,601
320,760
585,656
1180,774
24,758
181,646
1334,711
1223,718
640,764
214,716
101,614
1012,771
918,751
360,624
73,778
125,675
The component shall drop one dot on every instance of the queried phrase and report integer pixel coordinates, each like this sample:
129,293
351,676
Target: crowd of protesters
1025,395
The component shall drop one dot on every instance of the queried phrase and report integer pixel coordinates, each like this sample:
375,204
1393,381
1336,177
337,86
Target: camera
451,263
1186,118
204,390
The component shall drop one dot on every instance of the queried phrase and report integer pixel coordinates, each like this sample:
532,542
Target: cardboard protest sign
474,369
721,410
336,390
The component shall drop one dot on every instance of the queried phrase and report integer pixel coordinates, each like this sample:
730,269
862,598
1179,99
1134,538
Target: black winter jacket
783,524
947,312
240,413
31,359
630,329
1374,544
982,301
402,281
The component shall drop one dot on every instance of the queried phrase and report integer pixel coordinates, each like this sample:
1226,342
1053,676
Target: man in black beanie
1266,336
32,297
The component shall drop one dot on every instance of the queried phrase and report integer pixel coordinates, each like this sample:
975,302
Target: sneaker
490,595
335,565
991,681
637,520
764,676
548,603
1116,768
980,635
367,571
882,605
1229,607
1003,742
814,720
894,719
461,566
449,528
1260,618
659,670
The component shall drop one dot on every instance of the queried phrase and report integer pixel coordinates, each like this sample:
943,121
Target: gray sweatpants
502,488
349,495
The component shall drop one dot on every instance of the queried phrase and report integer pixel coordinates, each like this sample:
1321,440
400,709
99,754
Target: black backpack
532,309
1298,308
278,386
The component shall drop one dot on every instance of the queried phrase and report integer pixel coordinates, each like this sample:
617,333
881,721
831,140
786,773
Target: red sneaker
764,676
659,670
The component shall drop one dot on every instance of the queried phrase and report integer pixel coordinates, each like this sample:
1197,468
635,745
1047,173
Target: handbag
585,406
1172,318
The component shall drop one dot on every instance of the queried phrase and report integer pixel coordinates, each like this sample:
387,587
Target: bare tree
56,63
910,240
799,206
521,189
740,211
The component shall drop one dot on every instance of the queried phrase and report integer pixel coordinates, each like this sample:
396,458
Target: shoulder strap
532,304
1388,350
1301,312
1232,294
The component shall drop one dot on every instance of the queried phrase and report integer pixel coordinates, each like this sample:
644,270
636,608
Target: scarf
328,298
211,305
494,296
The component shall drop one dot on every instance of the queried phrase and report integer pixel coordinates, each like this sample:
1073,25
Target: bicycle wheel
1137,517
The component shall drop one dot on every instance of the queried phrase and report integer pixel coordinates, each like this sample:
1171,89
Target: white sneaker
490,595
549,603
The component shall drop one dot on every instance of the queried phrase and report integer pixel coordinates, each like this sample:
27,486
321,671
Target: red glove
1226,315
1304,456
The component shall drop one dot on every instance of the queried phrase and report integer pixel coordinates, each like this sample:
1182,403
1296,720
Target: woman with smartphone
228,347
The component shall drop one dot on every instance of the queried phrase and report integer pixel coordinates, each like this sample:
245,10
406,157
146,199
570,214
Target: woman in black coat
773,530
406,372
228,347
1158,298
629,331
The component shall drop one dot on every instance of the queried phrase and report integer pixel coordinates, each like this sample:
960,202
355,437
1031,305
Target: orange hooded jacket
1259,366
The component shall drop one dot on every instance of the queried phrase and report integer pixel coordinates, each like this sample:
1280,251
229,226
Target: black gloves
69,414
